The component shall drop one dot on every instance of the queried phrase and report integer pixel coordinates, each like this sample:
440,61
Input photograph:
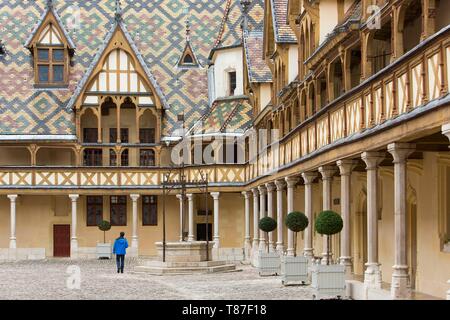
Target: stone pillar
180,197
345,169
74,239
400,285
280,221
12,238
216,237
262,214
327,173
291,182
247,243
255,243
372,275
190,198
308,178
270,189
134,236
446,130
448,291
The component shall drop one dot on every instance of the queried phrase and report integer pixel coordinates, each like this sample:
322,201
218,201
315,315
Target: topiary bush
104,226
328,223
296,221
267,224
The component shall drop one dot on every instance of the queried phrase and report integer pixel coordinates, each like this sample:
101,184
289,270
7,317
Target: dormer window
188,59
231,83
2,49
50,46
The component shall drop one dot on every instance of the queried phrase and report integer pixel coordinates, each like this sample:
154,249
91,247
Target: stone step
186,264
187,270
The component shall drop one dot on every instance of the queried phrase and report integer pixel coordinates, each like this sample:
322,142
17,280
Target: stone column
327,173
12,238
180,198
134,236
190,198
270,189
308,178
400,285
216,237
291,182
372,275
255,223
280,221
247,243
345,169
262,214
73,239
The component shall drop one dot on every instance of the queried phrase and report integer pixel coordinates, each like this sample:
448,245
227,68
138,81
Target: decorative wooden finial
118,13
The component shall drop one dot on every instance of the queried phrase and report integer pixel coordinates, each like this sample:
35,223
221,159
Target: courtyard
49,279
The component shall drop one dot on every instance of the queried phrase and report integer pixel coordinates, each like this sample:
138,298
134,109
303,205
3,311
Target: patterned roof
258,70
283,31
158,31
232,115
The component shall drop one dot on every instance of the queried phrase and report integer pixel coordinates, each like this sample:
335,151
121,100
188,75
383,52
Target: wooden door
61,240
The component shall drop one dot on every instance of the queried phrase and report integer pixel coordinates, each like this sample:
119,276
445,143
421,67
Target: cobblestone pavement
48,280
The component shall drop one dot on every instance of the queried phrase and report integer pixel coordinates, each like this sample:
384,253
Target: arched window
188,59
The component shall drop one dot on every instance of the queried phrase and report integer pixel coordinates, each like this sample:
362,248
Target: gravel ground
49,279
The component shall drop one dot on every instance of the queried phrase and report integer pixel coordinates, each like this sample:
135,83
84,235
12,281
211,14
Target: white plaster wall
265,94
225,61
293,63
328,17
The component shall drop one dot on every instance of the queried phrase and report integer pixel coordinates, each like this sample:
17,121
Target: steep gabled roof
283,32
258,71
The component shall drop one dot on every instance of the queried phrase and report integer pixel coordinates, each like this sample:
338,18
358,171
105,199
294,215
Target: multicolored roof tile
283,31
157,28
258,70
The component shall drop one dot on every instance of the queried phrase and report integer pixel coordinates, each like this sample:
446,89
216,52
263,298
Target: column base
191,238
400,286
12,243
280,248
271,246
326,257
73,249
372,276
290,252
216,242
262,245
255,253
347,262
247,249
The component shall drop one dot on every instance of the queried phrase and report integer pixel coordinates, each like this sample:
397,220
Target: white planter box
294,270
268,263
328,281
104,251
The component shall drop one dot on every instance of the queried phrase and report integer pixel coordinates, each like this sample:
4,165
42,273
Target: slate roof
157,29
283,31
258,70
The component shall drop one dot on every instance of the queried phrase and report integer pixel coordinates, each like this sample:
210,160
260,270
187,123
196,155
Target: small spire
188,29
245,8
118,13
49,4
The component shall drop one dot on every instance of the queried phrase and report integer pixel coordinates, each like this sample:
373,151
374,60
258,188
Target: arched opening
296,112
125,158
147,158
89,127
47,156
303,112
312,100
287,121
281,123
442,16
147,127
269,131
127,121
323,90
109,121
15,156
355,66
188,59
379,48
360,235
337,78
410,24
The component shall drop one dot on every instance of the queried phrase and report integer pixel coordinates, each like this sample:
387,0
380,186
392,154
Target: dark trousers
120,260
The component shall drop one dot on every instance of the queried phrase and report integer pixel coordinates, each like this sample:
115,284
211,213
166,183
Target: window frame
149,206
93,204
50,63
143,158
119,206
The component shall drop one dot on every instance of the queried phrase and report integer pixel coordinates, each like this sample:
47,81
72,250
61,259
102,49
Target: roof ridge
222,24
232,114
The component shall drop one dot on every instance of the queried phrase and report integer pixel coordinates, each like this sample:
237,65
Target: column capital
179,196
346,166
372,159
215,195
255,192
134,197
446,130
270,186
246,194
12,197
262,189
401,151
308,177
190,196
327,172
74,197
280,184
291,181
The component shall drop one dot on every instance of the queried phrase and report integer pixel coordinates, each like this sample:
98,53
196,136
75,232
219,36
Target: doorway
61,240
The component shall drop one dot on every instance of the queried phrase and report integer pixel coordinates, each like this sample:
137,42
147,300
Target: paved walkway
53,278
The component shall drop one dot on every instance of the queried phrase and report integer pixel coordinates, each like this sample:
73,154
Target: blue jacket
120,246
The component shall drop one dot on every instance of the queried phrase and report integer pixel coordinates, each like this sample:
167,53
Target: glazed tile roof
283,31
228,115
257,69
157,28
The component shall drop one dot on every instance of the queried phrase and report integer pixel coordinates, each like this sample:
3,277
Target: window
149,211
147,158
94,210
188,59
112,158
123,135
92,157
118,210
232,82
147,135
90,135
124,158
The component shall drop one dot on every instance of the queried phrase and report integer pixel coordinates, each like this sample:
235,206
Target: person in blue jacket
120,250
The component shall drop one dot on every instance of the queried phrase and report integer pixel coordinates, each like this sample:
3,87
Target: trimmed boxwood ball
104,225
267,224
328,223
296,221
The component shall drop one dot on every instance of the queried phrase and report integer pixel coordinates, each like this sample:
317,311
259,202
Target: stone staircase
172,268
